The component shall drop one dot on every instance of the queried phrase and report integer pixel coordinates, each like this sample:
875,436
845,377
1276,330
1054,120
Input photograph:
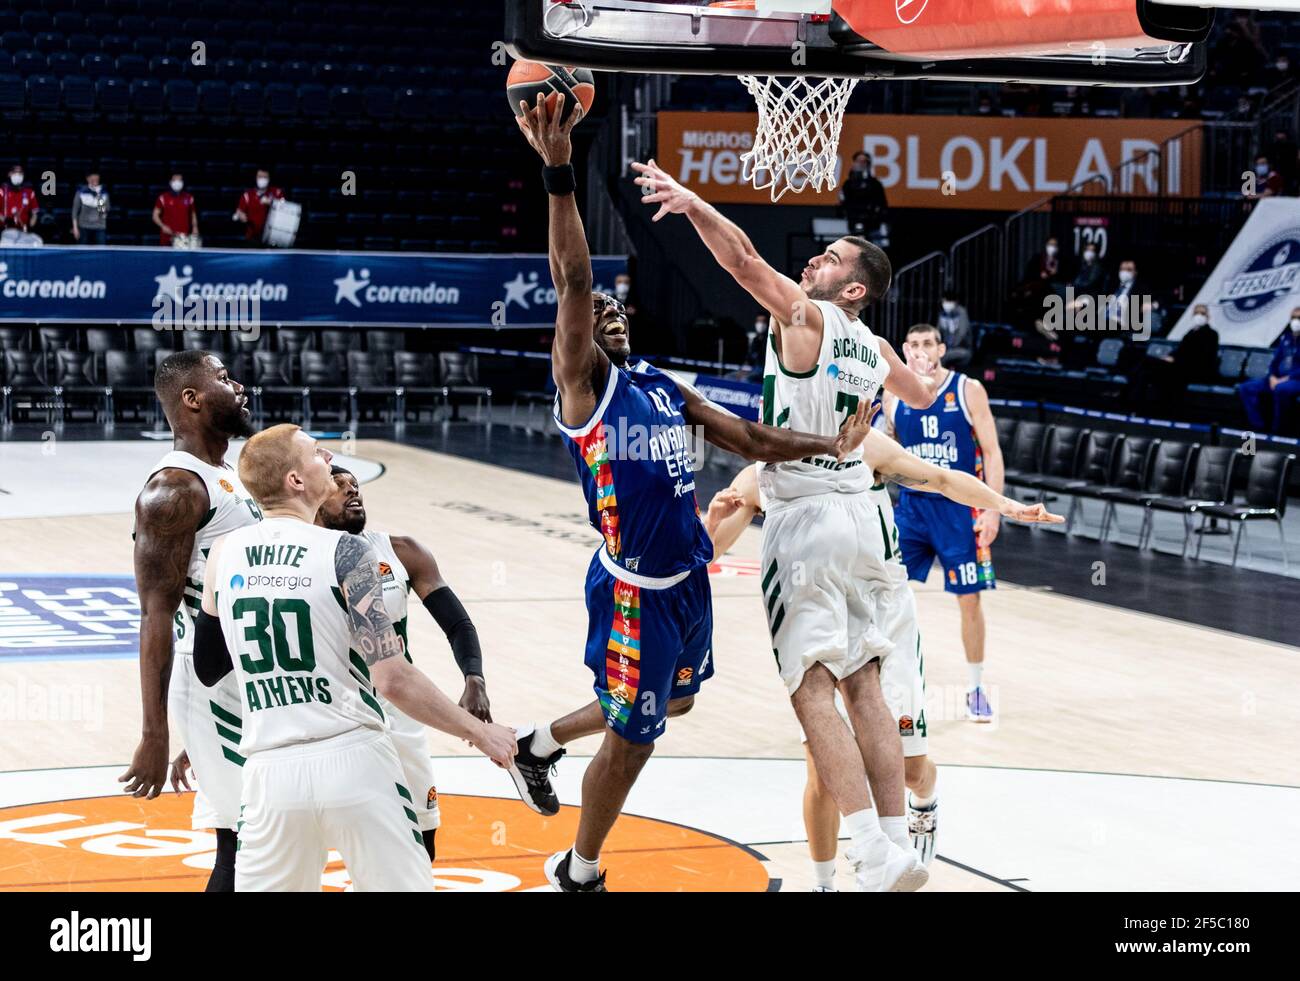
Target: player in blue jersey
650,620
957,432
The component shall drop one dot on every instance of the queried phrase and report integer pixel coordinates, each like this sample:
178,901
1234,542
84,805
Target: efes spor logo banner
996,163
68,616
124,285
1256,284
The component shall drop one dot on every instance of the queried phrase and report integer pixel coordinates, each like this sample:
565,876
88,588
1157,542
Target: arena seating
1156,475
281,85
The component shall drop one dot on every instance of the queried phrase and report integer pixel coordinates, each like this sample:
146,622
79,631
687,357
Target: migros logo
485,844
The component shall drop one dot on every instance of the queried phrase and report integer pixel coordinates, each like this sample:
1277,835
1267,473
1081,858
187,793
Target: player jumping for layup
648,600
191,498
406,566
826,580
957,432
296,615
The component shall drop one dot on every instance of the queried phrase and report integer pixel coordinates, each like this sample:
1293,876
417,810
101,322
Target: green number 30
273,644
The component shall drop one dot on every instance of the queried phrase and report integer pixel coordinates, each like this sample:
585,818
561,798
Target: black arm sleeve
211,658
458,627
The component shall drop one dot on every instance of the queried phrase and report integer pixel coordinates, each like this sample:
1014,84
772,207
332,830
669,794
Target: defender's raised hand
544,131
856,428
657,187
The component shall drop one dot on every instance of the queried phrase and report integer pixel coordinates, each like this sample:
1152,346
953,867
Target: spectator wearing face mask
19,202
1268,182
90,212
756,357
863,198
1130,298
954,324
255,205
1194,361
175,212
1090,279
1269,400
1280,72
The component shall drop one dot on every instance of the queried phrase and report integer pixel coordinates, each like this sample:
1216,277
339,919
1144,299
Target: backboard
1088,42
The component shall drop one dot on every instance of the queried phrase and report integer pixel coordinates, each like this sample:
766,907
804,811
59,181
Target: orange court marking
120,844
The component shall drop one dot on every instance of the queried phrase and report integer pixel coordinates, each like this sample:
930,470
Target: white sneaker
899,871
923,826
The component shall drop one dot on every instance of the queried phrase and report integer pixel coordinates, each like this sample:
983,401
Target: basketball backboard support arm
664,38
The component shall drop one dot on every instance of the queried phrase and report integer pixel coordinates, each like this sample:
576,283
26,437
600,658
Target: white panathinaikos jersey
283,618
849,370
230,506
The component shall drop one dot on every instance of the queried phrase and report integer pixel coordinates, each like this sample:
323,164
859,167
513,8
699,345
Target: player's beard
351,522
236,422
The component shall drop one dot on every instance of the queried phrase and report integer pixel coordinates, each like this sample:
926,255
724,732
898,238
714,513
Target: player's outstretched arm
768,444
731,511
894,463
917,390
373,637
574,357
446,609
793,313
167,516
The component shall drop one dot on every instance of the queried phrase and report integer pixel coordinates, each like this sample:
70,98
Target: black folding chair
1266,495
1211,486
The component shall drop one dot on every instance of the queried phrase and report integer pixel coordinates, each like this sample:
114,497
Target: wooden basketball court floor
1131,752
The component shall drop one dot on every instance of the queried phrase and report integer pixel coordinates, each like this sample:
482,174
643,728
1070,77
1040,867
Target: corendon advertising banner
977,162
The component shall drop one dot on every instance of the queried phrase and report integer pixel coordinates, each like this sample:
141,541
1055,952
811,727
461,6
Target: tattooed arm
396,678
894,463
167,516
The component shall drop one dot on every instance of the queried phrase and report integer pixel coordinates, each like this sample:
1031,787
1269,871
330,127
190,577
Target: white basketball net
797,142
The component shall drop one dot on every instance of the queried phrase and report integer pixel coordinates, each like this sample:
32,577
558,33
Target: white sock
580,869
895,829
544,744
824,874
864,831
976,673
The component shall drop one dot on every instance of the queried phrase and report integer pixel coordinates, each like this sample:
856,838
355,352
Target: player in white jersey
191,498
901,671
826,581
406,566
297,613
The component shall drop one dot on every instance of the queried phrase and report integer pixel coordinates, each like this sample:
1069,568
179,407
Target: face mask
1125,276
1262,170
985,110
1051,250
1089,256
1283,65
949,306
1295,323
16,179
621,290
760,326
262,182
177,185
1200,320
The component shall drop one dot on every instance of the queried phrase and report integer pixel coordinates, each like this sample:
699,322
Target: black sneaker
532,777
557,874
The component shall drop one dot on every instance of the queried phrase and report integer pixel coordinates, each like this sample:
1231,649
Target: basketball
527,78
